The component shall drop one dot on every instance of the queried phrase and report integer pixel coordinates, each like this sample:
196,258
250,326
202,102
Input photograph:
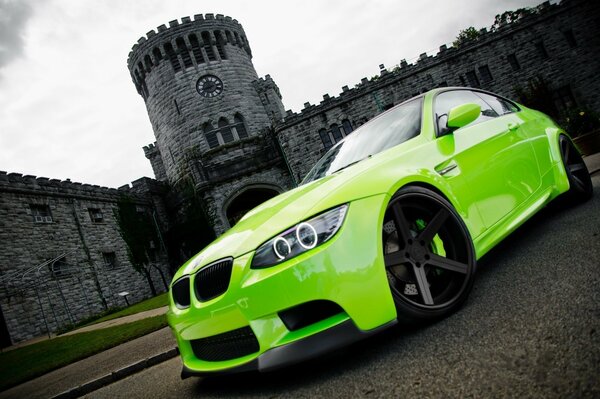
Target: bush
579,121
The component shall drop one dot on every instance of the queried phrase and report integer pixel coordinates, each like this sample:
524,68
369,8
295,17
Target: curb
117,375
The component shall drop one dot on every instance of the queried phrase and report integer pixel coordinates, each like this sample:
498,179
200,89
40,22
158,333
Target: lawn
28,362
149,304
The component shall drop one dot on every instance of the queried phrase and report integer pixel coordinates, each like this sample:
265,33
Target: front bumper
334,338
347,270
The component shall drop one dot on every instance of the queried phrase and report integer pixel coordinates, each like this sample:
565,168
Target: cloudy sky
68,108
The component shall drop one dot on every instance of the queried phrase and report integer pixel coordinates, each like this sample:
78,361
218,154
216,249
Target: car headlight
300,238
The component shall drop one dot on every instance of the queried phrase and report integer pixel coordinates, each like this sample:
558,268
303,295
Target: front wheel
429,256
580,182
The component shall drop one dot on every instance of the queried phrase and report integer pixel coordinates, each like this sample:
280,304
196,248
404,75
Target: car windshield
385,131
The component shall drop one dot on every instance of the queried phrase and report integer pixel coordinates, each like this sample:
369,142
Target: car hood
272,217
277,214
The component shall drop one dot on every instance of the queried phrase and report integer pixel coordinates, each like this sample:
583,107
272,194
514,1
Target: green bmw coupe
387,226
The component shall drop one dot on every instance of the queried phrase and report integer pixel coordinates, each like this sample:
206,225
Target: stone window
237,39
110,260
229,37
563,99
220,45
347,126
335,133
486,75
225,131
185,53
472,78
211,135
96,215
196,50
41,213
542,50
239,126
157,55
210,52
570,37
59,268
514,63
172,57
148,63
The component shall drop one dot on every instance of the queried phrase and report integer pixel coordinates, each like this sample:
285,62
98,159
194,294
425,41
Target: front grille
226,346
181,292
213,280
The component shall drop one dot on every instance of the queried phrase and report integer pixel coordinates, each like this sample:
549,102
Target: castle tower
211,114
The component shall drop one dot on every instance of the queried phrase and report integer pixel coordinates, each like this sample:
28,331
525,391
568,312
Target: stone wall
556,42
78,226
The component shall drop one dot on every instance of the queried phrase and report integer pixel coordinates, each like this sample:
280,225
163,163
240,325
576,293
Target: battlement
150,150
185,43
28,184
423,62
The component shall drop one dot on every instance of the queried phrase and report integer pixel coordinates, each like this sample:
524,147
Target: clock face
209,86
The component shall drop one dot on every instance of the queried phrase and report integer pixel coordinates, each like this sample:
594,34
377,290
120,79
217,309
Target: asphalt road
531,328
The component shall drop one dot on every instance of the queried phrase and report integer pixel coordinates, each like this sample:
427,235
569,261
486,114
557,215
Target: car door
492,152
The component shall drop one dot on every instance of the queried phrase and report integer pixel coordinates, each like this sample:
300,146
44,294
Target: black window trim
435,124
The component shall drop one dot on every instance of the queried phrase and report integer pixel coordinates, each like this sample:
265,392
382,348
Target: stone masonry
43,219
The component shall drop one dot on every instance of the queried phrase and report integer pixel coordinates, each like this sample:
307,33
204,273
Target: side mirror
463,115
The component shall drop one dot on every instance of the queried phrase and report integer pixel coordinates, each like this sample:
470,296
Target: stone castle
223,131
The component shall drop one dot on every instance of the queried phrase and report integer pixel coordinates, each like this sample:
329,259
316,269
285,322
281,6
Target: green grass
28,362
149,304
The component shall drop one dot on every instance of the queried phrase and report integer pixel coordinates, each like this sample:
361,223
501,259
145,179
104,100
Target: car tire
428,254
580,182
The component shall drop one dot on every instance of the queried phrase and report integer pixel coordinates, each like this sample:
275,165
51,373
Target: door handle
512,127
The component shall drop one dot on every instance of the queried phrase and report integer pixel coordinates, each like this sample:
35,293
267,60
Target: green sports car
387,226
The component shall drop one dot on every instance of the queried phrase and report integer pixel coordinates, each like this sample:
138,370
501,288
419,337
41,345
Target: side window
447,100
501,106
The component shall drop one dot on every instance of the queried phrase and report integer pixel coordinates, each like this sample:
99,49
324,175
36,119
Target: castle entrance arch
246,200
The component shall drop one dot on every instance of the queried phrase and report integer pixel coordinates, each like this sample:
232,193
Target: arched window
157,55
325,139
141,69
211,135
336,133
210,52
220,45
185,53
229,37
196,50
240,126
172,57
148,63
347,127
225,130
237,39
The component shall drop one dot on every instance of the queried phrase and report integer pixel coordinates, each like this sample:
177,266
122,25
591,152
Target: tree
538,95
465,36
140,235
509,17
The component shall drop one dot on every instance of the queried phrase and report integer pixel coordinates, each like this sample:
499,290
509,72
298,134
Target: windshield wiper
350,164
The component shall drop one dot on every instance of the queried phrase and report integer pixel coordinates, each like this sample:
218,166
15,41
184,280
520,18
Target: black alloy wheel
429,256
580,182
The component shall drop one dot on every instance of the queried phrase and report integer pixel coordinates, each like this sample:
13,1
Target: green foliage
138,232
191,233
579,121
465,36
28,362
509,17
538,95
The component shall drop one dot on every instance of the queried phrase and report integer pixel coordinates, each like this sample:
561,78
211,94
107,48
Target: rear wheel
580,182
429,255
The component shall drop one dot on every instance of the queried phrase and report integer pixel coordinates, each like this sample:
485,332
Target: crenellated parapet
184,44
405,70
28,184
